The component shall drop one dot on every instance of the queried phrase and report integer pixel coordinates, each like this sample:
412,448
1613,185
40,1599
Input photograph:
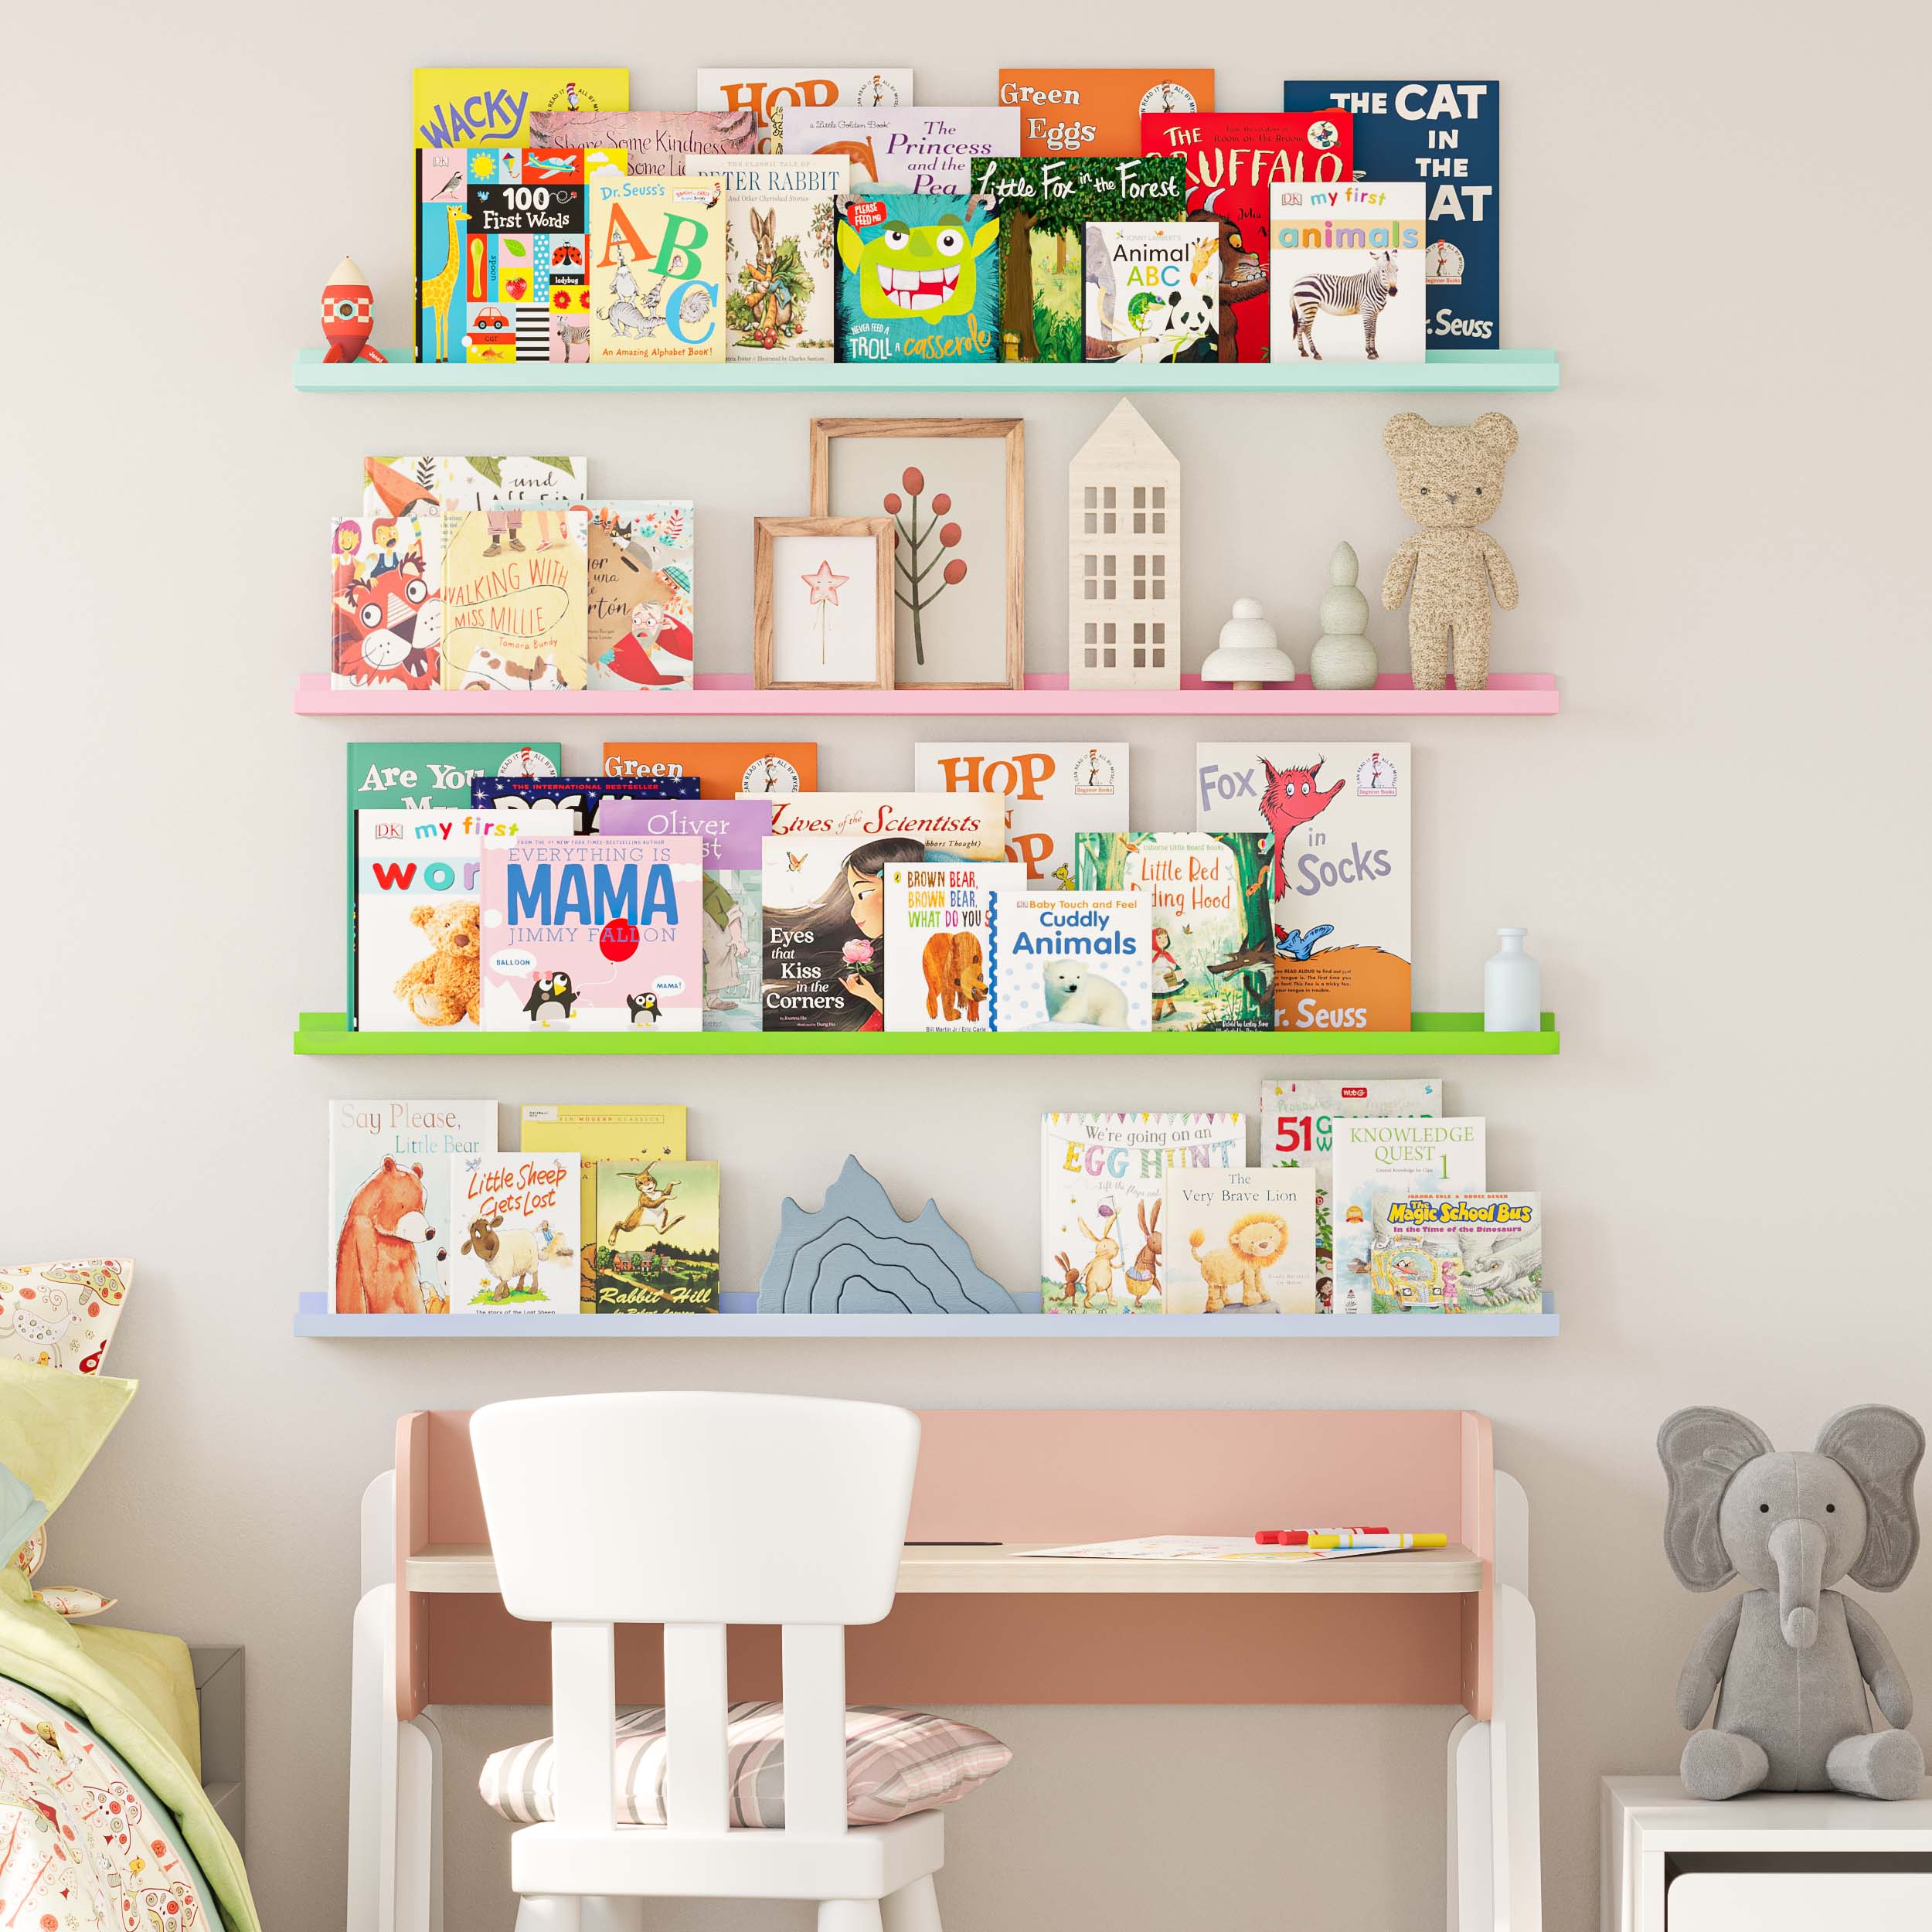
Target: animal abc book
1377,1158
1457,1253
1073,961
780,212
386,602
1345,271
1239,1239
1051,793
640,579
918,279
655,1241
942,924
1338,815
657,269
513,1245
1153,292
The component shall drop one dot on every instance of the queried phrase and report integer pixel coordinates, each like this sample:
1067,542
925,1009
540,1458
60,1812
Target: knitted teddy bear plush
1449,478
445,987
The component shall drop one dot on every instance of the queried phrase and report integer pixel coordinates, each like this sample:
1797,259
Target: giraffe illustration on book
439,288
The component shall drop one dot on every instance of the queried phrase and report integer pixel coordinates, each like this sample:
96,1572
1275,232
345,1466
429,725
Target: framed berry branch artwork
954,488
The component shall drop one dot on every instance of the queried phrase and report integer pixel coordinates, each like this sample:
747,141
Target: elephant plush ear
1701,1450
1881,1449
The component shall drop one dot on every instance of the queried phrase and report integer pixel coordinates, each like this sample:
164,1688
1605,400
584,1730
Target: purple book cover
734,831
582,798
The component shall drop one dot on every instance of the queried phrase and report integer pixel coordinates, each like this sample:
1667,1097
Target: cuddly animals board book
1153,292
1446,136
1338,815
1211,954
1103,1179
513,1247
62,1314
1074,960
772,93
1045,203
655,1239
966,828
1458,1253
1346,265
639,618
753,770
389,1199
918,279
514,595
1053,791
386,602
1098,111
397,485
825,914
576,804
473,107
657,268
1239,1239
941,922
593,934
924,151
650,141
1376,1157
780,211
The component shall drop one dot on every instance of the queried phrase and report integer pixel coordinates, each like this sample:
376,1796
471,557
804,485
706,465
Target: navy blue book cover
1444,134
579,796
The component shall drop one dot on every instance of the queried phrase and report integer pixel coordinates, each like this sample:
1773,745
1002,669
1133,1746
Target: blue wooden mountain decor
855,1256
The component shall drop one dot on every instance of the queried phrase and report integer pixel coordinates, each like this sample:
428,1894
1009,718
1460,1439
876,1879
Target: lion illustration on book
1256,1242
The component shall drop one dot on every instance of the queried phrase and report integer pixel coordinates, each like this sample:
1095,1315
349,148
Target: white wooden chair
697,1512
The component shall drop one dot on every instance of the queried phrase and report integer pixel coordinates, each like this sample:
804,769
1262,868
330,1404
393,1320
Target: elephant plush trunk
1797,1547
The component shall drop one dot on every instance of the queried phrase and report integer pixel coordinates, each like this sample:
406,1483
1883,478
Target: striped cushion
896,1762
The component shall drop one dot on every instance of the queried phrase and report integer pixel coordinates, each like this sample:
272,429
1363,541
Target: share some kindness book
942,924
1377,1158
513,1248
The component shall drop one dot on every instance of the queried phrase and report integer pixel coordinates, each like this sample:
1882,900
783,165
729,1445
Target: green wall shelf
1435,1036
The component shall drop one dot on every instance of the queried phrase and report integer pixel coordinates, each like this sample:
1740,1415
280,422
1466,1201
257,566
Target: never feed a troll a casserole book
918,279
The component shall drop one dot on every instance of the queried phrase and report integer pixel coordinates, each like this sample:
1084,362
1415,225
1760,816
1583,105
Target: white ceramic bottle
1512,987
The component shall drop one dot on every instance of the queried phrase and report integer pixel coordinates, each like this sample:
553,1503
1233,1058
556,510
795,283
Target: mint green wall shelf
1435,1035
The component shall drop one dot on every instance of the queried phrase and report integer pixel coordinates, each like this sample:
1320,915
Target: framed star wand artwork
822,612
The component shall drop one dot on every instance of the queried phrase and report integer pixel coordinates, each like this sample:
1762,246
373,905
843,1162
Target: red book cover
1232,162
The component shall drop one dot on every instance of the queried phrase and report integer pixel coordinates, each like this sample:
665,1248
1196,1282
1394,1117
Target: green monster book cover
918,279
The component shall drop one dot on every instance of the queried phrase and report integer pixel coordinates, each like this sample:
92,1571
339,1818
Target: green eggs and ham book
918,279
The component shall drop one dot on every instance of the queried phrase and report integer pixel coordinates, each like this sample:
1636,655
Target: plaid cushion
896,1762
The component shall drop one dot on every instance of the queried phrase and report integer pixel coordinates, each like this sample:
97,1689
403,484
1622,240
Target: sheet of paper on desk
1198,1549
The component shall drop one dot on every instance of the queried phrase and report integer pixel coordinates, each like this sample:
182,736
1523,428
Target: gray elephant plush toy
1789,1660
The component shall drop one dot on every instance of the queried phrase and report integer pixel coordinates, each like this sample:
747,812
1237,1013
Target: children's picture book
1153,292
1210,952
513,1246
1338,815
919,279
1457,1253
574,806
514,600
824,920
1377,1157
657,268
593,934
770,94
656,1237
650,142
386,602
1053,792
960,827
62,1315
1073,961
923,150
756,768
389,1236
1045,203
1242,1241
1446,136
733,833
1103,1184
780,211
1098,111
940,924
1346,266
491,106
640,579
449,485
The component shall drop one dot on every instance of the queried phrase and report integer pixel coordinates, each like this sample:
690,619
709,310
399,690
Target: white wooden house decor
1124,501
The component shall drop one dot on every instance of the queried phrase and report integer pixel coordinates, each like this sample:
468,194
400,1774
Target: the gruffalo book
1338,818
1240,1240
919,279
780,212
654,1243
513,1245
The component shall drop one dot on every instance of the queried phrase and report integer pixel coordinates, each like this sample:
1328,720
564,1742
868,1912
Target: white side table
1746,1856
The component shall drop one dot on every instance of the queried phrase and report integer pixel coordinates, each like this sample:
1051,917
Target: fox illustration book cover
386,602
513,1247
942,924
655,1243
919,279
1376,1160
1053,792
640,596
780,212
514,585
657,268
1346,265
1243,1242
1153,292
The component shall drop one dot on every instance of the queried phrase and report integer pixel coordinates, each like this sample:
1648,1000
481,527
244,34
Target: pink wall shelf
1510,695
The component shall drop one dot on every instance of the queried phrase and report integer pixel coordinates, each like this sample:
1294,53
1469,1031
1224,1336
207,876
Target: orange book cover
722,770
1098,111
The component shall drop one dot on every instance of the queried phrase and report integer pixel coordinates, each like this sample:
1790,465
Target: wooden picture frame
1009,429
767,648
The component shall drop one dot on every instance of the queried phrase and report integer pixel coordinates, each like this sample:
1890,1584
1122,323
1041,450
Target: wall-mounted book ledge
1452,372
1530,693
1434,1036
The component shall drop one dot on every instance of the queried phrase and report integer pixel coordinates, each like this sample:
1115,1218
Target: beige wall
1710,523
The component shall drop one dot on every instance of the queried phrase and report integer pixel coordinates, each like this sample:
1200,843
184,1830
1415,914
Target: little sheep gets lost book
919,279
513,1248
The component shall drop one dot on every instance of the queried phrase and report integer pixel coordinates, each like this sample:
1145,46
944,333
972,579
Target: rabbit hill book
657,268
655,1243
780,211
513,1246
918,279
1338,817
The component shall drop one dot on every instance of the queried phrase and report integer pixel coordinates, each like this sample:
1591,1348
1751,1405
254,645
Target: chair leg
613,1915
846,1915
913,1908
549,1915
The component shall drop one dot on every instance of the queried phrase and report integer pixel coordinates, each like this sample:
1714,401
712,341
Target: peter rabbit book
773,92
1098,111
367,1232
1045,203
401,485
1153,292
973,827
62,1315
780,211
593,934
1103,1178
1053,792
1073,962
1445,135
1338,815
1346,265
385,603
825,918
1211,954
473,107
755,769
513,1246
1376,1157
566,807
651,142
925,151
1243,1242
657,268
514,600
918,279
1457,1253
655,1240
941,922
640,586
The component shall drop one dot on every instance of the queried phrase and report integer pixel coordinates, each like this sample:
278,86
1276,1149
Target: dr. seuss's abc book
1103,1177
559,808
593,934
1052,792
1241,1240
386,602
514,597
1376,1157
657,269
1457,1253
1211,955
62,1315
655,1241
513,1236
1339,816
824,917
781,211
1346,271
942,921
919,279
1073,962
1153,292
640,615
